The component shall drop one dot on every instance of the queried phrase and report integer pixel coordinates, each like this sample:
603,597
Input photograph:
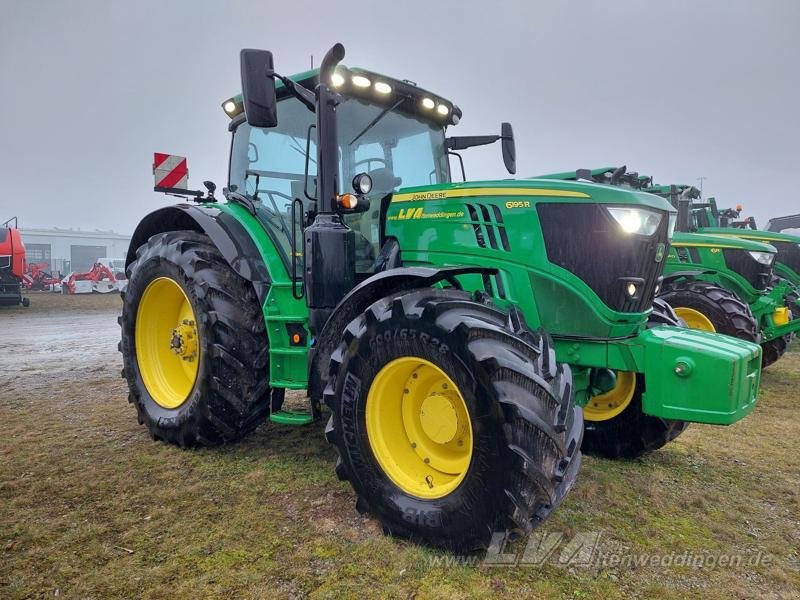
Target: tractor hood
568,191
685,240
766,237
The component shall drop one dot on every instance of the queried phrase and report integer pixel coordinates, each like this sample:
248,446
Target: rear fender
227,234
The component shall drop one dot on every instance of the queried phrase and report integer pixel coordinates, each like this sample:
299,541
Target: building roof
81,233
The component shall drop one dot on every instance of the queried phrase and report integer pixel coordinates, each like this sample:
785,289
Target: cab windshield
394,147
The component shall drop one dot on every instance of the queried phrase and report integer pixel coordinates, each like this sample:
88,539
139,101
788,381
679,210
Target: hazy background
89,89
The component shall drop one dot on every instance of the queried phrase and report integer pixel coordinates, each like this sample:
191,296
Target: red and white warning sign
170,171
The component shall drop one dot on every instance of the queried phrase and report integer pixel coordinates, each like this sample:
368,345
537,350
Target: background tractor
715,282
705,217
446,326
12,265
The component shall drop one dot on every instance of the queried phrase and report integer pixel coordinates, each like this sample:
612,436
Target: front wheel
615,426
451,422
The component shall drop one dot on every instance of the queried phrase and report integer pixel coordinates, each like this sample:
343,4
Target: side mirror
258,88
509,148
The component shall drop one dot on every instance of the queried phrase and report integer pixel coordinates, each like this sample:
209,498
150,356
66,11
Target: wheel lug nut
427,460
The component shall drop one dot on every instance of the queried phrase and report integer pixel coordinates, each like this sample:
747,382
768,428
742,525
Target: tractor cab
391,131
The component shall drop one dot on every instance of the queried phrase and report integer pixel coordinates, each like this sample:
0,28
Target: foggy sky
90,89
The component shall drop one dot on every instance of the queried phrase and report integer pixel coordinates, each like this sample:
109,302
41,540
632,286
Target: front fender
360,297
227,234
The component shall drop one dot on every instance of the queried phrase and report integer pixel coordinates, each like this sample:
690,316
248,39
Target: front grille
585,240
788,254
754,272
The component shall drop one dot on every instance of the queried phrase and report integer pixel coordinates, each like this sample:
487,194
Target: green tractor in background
715,282
705,217
454,330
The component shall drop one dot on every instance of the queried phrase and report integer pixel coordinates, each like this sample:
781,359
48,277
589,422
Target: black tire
527,430
723,308
791,302
231,394
773,350
632,433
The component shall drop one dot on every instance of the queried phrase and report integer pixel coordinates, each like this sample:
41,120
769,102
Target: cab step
290,417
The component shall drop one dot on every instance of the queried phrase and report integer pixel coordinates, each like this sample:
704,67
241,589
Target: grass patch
91,507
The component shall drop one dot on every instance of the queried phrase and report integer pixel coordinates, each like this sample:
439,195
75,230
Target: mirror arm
305,96
463,142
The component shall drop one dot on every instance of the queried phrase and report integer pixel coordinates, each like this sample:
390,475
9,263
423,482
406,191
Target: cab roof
372,86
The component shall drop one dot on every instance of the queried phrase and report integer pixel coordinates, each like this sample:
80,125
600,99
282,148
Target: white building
67,250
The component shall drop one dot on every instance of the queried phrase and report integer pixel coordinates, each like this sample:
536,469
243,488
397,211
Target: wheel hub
419,427
694,319
602,407
438,418
183,341
167,342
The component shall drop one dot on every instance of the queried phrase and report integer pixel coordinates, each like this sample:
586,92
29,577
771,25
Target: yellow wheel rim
695,319
609,405
167,342
419,427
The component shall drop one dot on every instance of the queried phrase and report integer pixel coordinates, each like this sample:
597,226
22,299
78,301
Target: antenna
312,62
701,179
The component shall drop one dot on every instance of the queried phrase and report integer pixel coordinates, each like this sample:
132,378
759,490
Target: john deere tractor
705,217
715,282
346,262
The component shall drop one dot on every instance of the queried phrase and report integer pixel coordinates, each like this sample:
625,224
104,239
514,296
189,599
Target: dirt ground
91,507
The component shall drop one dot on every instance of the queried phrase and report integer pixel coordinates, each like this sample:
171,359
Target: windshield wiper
376,119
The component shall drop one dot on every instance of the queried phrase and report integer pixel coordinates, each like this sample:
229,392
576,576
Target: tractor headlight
640,221
765,258
362,183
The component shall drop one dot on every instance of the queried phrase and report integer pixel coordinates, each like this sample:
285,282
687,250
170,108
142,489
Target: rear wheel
451,419
193,343
615,426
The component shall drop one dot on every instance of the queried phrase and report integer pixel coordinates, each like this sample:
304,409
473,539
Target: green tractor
715,282
453,330
705,217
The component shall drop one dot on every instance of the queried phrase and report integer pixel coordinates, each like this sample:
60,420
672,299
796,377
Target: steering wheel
383,161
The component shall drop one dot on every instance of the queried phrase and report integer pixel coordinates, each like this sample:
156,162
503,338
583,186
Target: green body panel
288,363
435,229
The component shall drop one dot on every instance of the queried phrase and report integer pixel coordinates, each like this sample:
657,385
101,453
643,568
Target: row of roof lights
381,87
359,81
